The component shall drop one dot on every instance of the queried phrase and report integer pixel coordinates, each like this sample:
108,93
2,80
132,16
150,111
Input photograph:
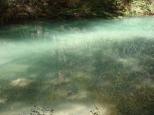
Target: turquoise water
79,66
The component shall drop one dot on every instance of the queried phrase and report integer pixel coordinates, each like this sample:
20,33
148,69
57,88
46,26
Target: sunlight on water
74,66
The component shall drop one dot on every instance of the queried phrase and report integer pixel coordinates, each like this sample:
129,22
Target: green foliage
140,7
68,9
58,9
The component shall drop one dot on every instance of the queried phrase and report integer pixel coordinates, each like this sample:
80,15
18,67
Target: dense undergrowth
18,10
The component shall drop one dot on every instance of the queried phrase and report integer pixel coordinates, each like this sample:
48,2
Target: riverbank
20,11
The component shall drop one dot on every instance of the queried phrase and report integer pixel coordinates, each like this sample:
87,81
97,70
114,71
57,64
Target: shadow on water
117,74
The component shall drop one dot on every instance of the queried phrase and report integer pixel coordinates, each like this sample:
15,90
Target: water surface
76,67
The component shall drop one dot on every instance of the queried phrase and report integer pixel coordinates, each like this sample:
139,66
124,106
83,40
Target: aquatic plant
36,110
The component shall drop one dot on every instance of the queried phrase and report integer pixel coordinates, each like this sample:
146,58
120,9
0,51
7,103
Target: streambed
79,66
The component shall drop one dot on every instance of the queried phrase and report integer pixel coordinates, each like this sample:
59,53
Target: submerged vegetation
68,9
109,63
78,56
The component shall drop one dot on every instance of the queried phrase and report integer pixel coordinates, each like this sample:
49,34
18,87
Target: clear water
104,66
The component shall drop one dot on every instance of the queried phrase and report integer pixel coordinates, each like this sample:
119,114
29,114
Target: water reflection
73,70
